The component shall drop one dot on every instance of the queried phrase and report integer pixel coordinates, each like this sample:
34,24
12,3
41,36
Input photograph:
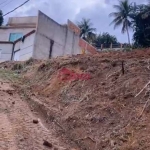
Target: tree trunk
128,35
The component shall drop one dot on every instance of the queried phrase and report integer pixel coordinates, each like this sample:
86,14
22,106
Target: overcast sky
75,10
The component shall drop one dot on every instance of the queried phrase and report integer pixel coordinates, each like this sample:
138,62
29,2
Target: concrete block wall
65,40
85,47
25,48
73,27
5,51
71,43
41,47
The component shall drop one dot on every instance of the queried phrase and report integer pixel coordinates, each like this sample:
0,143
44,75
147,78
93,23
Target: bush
17,67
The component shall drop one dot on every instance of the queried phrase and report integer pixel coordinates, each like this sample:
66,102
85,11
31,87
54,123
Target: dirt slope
17,130
86,102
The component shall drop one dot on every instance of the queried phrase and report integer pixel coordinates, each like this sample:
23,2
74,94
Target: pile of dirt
93,102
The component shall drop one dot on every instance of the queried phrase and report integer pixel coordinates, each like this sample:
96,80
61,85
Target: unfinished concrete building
40,38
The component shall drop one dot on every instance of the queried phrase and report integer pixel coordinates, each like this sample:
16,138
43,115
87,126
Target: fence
113,47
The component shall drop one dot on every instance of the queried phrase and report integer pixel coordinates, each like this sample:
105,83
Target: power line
6,4
3,2
16,8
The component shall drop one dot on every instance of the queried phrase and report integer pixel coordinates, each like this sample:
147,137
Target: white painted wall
65,41
24,49
5,33
5,51
16,56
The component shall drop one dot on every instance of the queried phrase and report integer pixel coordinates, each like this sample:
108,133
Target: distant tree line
130,16
88,33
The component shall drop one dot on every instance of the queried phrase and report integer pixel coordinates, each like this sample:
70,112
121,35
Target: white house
40,38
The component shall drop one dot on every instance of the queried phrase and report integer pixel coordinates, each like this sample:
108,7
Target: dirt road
17,130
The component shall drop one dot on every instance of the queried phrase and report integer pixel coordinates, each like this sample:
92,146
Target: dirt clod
112,97
13,102
47,144
10,92
35,121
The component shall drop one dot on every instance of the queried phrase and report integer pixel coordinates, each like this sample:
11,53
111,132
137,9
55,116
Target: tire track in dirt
7,140
18,132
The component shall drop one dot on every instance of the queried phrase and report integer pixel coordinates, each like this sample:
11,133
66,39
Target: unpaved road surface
17,130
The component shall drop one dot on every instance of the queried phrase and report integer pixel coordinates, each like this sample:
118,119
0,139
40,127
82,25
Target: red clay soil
99,102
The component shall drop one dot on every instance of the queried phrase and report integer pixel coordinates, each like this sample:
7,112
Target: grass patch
9,75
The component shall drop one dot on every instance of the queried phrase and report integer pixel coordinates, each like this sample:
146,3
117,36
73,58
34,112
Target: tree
87,31
122,16
106,39
1,18
146,10
141,26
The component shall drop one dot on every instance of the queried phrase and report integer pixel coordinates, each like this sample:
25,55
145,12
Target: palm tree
1,18
122,16
105,39
87,31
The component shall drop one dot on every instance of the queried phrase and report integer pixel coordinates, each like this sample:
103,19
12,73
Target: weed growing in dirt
127,50
45,66
29,61
22,66
9,75
17,67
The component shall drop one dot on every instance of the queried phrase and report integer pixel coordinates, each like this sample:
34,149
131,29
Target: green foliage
137,17
128,15
88,34
122,16
1,18
87,31
106,39
141,25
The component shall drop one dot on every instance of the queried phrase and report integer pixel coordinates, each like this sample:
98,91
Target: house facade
40,37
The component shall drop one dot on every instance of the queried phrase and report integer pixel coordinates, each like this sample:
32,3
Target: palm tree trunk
128,35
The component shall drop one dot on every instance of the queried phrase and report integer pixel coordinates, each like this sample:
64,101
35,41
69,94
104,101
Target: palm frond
118,23
122,15
114,14
116,20
87,31
117,7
